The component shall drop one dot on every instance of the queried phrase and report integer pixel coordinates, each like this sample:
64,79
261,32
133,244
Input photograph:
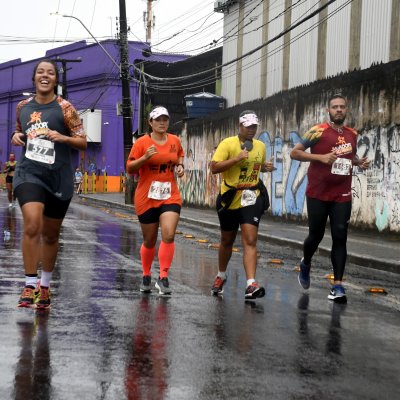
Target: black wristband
181,165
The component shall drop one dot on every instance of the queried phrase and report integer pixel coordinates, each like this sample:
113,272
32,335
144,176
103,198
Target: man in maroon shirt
333,148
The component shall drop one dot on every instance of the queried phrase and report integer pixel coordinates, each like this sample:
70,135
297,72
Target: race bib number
41,150
249,197
159,190
342,166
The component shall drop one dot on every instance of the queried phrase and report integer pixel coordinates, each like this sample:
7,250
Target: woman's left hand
180,170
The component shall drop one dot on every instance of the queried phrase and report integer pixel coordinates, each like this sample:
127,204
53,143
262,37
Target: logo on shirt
342,147
163,168
38,127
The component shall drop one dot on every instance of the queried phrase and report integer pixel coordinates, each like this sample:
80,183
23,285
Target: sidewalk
368,249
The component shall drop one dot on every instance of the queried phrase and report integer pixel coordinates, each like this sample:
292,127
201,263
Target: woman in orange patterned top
157,156
47,128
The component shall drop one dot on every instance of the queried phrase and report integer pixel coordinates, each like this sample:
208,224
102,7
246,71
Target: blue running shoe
337,294
304,274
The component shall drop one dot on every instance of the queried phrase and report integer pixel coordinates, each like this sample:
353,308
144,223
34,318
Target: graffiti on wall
288,181
378,203
376,191
198,186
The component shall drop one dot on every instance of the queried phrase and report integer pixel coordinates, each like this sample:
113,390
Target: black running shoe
145,285
163,286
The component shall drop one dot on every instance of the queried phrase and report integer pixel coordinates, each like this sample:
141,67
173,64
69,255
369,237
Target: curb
355,258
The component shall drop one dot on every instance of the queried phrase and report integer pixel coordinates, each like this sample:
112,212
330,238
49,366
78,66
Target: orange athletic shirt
160,167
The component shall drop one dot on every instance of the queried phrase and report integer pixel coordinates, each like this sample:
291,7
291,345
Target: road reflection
334,342
9,224
33,370
147,367
310,359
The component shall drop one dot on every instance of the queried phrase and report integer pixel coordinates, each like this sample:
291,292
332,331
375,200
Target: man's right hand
329,158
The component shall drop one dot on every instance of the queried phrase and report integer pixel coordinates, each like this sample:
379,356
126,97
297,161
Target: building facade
94,87
276,45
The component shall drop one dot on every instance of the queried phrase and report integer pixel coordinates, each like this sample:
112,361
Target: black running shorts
152,215
230,220
30,192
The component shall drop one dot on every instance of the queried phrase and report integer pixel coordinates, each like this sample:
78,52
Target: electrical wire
284,32
253,62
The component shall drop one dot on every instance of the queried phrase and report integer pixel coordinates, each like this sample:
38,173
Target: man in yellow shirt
242,199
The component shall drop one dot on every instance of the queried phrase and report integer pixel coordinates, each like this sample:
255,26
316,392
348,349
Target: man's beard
337,120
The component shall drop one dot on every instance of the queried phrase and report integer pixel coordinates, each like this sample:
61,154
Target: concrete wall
344,36
374,103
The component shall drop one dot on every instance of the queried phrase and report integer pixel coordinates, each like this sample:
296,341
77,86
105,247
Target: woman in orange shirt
156,157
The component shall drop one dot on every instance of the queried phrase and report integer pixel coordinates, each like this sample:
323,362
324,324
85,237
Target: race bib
342,166
249,197
41,150
159,190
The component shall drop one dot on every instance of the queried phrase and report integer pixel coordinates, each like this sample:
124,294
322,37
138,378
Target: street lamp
123,69
90,33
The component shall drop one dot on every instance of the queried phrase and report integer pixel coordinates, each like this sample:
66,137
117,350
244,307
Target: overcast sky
27,29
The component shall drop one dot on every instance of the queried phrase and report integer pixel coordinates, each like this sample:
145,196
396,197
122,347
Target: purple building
94,87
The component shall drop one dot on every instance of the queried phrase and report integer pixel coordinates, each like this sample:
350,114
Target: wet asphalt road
102,339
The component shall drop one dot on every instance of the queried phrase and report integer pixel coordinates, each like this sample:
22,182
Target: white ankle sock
222,275
45,278
31,281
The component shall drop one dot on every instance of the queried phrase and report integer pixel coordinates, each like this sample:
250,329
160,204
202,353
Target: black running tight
339,216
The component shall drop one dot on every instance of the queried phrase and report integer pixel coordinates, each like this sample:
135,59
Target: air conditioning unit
91,120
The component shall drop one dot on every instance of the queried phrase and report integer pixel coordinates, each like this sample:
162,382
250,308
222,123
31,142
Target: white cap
157,112
249,119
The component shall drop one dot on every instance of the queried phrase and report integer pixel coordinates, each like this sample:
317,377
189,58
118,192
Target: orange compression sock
165,256
147,257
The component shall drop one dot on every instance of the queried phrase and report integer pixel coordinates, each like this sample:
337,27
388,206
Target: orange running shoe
27,298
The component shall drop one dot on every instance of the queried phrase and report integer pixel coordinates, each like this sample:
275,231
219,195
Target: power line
284,32
251,63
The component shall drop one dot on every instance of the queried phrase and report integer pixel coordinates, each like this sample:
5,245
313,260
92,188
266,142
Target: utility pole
126,96
63,71
149,20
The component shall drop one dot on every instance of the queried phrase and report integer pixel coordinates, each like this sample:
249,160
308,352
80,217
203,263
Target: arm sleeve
311,137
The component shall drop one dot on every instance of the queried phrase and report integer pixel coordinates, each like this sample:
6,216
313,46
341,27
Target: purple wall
92,83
